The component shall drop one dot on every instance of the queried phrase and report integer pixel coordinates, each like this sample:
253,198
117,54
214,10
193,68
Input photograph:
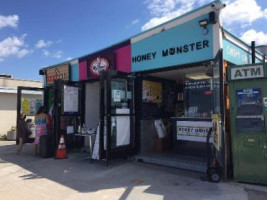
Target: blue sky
36,34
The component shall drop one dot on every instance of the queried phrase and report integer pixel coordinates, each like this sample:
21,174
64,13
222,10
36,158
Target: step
180,162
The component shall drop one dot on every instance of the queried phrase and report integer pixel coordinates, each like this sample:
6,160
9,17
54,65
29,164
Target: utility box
248,109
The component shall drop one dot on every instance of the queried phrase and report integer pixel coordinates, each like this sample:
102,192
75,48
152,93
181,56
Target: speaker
212,18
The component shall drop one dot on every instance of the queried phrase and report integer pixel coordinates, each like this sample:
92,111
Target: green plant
3,137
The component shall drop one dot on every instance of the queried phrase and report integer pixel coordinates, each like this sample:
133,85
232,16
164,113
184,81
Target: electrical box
248,111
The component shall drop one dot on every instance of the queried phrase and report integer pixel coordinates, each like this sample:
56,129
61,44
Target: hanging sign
56,73
247,72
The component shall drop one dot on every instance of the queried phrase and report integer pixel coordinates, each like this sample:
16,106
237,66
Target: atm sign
247,72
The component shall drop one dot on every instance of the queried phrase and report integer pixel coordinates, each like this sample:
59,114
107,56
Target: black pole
253,51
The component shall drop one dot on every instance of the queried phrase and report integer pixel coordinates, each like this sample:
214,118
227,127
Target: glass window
198,98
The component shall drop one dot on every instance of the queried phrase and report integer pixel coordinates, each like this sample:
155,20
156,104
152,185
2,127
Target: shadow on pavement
130,176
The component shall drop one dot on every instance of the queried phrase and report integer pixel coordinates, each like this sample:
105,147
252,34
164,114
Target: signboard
248,72
71,99
193,130
97,64
152,92
179,45
55,73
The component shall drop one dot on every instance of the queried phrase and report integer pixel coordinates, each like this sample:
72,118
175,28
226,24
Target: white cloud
11,21
162,11
42,43
237,12
45,52
13,46
23,52
135,21
243,12
58,54
69,58
252,35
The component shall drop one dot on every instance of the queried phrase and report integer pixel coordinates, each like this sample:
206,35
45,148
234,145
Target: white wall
8,110
92,105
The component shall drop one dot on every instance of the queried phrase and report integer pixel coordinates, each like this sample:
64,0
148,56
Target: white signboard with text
247,72
193,130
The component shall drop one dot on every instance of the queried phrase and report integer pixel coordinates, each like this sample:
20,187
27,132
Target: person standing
41,123
23,132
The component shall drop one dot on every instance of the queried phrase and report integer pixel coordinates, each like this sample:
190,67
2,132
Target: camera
218,6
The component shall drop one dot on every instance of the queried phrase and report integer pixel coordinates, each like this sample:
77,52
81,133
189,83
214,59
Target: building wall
8,101
8,113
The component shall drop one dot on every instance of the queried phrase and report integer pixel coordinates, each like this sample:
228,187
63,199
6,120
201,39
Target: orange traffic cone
61,151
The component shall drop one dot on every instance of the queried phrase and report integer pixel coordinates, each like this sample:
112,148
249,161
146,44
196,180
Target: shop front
153,97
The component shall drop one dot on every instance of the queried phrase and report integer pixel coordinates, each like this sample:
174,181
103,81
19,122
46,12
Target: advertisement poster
25,106
152,92
30,106
216,131
71,97
116,95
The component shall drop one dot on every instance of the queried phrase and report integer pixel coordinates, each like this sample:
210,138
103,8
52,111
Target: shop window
198,98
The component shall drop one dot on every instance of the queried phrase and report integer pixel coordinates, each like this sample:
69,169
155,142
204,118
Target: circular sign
98,65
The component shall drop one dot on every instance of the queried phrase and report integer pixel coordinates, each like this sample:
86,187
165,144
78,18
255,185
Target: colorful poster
216,131
25,106
152,92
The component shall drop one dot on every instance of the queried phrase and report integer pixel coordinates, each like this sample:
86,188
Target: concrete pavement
33,178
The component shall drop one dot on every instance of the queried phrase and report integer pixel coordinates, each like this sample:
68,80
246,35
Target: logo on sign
98,65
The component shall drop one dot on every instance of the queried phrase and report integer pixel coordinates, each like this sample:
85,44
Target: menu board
71,99
249,113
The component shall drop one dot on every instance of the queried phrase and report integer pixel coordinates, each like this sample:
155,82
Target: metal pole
253,51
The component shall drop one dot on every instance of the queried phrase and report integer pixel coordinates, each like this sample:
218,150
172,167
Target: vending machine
248,111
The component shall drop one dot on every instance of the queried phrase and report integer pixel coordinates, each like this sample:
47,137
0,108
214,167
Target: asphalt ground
32,178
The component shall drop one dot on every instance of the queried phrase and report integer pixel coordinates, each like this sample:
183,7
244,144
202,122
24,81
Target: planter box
11,135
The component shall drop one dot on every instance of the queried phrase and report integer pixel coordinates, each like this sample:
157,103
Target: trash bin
45,146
